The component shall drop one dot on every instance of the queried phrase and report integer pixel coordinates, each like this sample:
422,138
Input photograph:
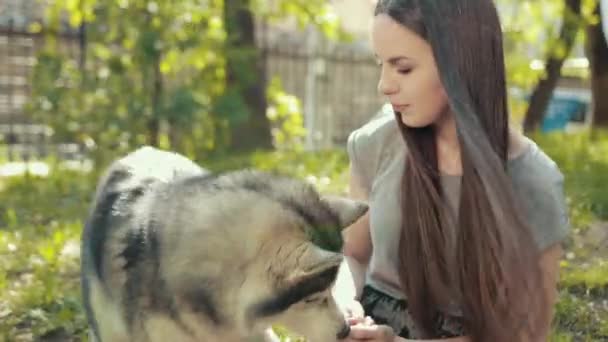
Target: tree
525,24
596,49
558,50
245,80
150,76
170,73
244,103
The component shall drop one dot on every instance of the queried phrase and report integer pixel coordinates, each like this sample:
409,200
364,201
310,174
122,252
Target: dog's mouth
344,332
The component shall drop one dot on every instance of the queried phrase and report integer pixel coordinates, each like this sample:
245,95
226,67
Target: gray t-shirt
376,151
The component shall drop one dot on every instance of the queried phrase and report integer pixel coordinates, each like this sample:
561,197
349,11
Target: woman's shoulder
374,141
539,184
534,166
376,133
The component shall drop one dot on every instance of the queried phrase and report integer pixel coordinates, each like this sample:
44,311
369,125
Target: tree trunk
541,96
596,49
245,77
153,122
157,93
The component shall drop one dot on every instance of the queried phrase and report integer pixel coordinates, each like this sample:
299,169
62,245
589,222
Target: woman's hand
364,329
352,309
370,333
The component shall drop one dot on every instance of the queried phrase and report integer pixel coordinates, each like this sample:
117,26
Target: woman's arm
357,247
350,280
549,265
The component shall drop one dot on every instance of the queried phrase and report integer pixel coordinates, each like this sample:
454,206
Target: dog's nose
344,332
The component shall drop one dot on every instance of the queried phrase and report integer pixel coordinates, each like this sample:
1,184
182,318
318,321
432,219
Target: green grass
41,222
585,166
39,282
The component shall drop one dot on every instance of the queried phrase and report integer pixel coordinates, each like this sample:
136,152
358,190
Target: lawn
41,221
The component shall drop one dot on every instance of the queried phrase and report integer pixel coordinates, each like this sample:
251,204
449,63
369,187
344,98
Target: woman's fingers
355,320
360,320
363,331
375,332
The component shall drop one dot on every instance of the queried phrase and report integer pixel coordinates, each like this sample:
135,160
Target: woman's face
409,76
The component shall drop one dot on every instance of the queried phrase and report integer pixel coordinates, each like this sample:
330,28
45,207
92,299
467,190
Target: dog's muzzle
344,332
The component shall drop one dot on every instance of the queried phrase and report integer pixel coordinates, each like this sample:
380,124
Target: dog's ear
316,265
315,271
348,210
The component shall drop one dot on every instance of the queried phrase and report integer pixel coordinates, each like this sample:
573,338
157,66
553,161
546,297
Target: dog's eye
313,300
316,300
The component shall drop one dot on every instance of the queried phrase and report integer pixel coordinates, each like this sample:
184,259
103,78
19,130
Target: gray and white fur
171,252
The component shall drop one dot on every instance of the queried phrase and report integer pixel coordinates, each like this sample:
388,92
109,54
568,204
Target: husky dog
171,252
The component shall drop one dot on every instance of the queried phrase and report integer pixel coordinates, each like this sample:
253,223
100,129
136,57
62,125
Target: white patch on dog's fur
107,314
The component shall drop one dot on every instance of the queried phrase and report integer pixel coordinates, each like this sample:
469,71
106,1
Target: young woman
462,240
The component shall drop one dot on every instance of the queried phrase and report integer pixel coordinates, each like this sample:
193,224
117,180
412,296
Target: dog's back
112,221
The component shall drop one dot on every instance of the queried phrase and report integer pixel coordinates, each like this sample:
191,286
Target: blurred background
273,84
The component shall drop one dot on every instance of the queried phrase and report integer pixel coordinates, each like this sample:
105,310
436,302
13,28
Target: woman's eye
404,71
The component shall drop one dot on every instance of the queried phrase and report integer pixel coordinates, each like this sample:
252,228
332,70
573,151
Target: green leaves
231,107
318,13
128,41
157,60
525,25
285,114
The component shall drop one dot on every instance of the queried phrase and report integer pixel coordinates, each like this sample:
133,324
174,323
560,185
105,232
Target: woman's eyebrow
396,59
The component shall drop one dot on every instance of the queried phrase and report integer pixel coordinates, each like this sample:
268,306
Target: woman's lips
399,108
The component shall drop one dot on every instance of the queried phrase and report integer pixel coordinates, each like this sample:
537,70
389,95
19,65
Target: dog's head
263,250
302,300
301,263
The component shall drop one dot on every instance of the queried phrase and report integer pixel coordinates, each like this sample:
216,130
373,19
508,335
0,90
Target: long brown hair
495,271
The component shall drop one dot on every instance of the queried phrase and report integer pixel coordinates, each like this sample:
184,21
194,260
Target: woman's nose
387,86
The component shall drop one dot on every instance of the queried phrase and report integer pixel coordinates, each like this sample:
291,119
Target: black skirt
387,310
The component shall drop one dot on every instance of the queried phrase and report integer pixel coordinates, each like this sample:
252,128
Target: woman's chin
412,121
